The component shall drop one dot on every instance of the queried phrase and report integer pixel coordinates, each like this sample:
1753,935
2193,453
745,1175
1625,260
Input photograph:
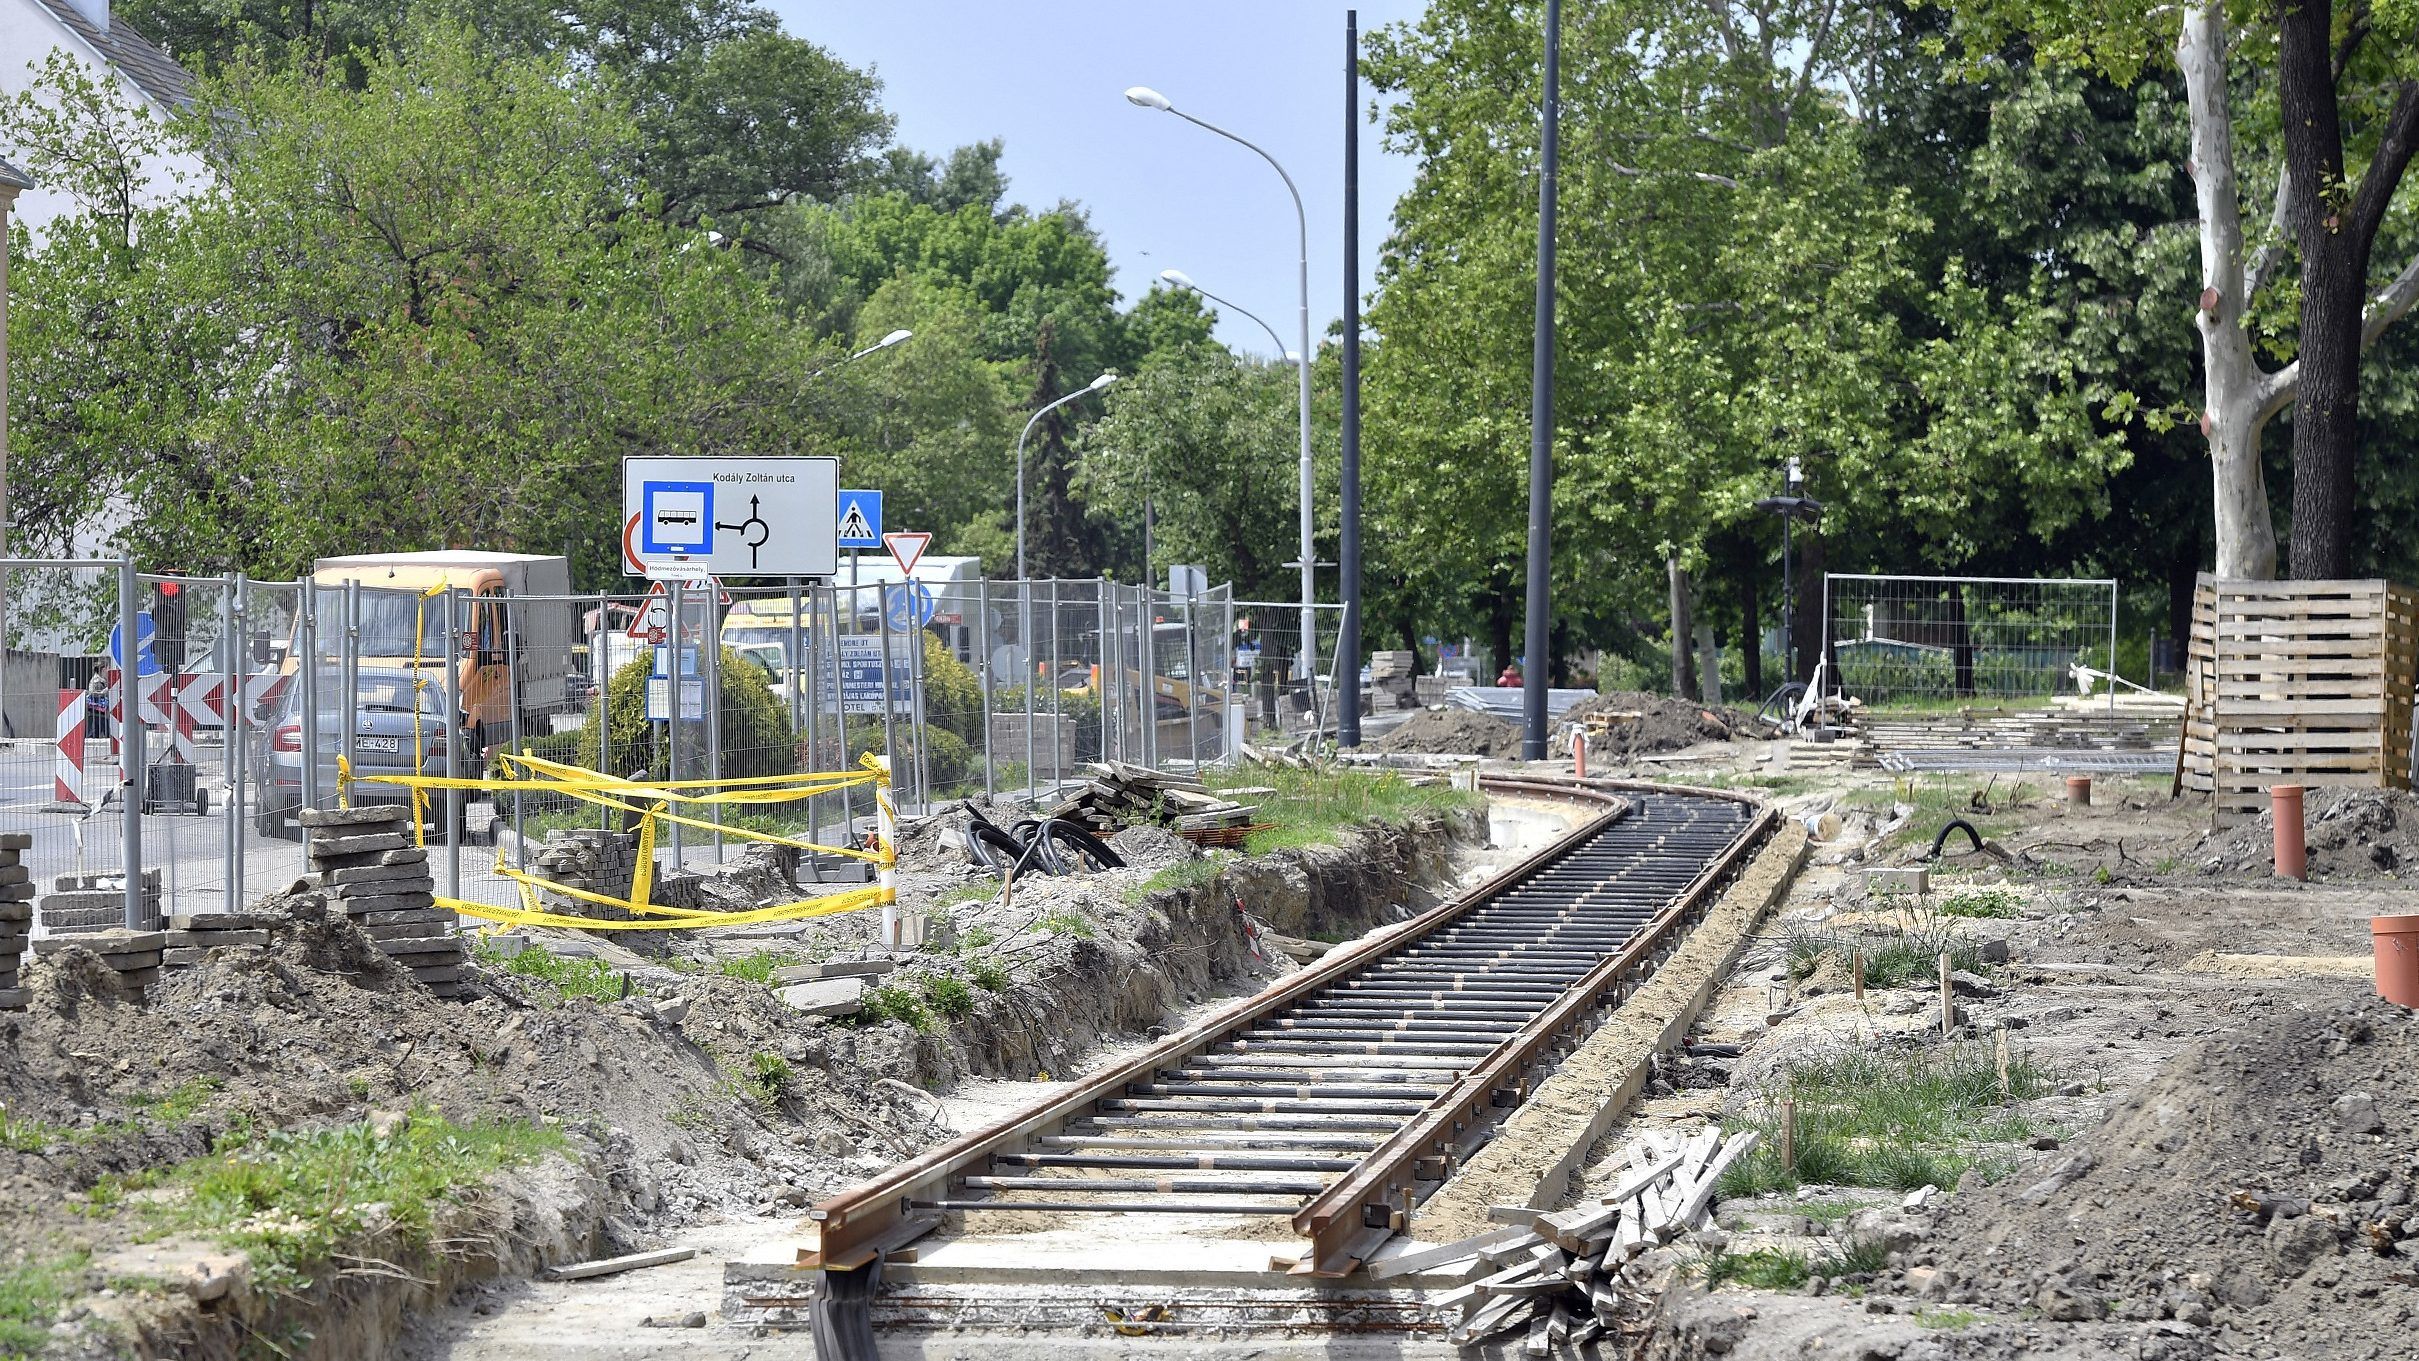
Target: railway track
1339,1097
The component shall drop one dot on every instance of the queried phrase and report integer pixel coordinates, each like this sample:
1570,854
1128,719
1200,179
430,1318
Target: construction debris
614,1266
1569,1276
1116,795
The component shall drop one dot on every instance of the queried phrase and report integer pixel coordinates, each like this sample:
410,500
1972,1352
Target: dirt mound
1454,731
2259,1186
2351,834
1641,724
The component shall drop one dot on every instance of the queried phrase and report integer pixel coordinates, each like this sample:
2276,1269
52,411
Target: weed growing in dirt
975,939
291,1198
25,1136
1065,923
1757,1269
758,967
1831,1211
1951,1319
1991,902
1317,807
1853,1257
949,996
1885,1117
568,976
890,1002
31,1295
990,975
768,1075
1184,874
1894,956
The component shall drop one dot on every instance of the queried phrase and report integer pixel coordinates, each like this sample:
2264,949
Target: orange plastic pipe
2292,856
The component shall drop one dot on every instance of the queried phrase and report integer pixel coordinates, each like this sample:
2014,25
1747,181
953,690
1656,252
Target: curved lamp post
1142,96
1095,385
1177,278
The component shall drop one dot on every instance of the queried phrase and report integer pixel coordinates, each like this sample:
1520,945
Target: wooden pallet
2298,682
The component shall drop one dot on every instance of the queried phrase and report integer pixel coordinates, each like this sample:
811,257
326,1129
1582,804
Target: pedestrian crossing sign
860,519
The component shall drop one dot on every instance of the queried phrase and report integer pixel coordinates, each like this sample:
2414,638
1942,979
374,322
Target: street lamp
1177,278
1096,385
1142,96
899,337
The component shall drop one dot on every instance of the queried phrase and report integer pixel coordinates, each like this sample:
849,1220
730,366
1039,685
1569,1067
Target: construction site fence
174,784
1909,639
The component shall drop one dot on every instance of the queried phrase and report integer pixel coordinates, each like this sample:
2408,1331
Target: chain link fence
249,701
1901,639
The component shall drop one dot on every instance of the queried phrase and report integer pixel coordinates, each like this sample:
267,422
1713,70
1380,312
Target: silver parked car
388,705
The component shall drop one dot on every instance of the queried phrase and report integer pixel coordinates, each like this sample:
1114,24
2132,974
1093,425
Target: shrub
756,737
949,996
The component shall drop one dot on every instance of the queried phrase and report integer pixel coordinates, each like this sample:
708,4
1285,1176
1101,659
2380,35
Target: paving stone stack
363,859
590,859
93,902
134,955
188,939
16,913
1392,684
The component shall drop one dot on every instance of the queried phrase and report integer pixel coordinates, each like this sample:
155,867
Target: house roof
13,178
152,70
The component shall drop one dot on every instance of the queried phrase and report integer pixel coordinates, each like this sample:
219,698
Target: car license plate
379,743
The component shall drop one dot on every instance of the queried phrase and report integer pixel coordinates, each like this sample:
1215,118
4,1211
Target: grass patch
1950,1319
1832,1211
1894,955
1065,923
1888,1118
566,975
990,975
1993,902
1318,807
292,1198
769,1074
31,1294
1757,1269
1198,872
757,967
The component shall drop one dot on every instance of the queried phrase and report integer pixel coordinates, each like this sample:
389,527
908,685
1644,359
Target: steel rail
850,1229
1387,1060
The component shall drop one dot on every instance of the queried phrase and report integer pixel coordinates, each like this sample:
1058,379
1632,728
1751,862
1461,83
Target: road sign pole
890,726
131,757
921,721
452,803
676,594
848,812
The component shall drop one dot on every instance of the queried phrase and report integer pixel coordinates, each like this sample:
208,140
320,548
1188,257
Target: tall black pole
1348,642
1541,408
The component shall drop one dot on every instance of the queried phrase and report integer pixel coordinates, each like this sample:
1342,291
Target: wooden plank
614,1266
1445,1254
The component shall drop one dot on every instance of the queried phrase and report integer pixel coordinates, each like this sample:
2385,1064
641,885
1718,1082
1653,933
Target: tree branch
1814,56
2388,306
2354,31
2384,176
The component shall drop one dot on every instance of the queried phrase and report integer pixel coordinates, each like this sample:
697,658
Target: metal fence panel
1890,639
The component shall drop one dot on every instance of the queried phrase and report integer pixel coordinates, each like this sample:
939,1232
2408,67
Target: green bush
756,737
951,760
953,695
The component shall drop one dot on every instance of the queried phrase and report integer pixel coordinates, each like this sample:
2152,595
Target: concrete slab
834,968
826,997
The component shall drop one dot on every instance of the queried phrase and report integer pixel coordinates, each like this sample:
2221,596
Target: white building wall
29,31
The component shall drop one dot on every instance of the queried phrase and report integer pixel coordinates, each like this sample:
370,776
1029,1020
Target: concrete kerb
1532,1157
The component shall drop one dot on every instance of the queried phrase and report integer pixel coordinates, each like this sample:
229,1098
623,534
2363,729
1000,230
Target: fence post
509,634
917,719
600,675
1032,661
452,805
1107,692
137,783
306,672
230,698
982,659
350,679
1192,689
2112,649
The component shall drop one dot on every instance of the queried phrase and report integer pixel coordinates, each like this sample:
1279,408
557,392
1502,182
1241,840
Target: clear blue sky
1050,78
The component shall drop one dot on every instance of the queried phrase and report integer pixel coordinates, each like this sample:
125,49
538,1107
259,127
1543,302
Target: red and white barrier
67,776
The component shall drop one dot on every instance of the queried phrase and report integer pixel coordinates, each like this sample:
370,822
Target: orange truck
517,628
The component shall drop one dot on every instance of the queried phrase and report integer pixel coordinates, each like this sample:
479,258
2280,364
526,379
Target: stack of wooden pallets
1115,795
1565,1275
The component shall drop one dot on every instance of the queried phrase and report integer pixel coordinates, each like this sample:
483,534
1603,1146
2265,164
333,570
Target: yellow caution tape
651,801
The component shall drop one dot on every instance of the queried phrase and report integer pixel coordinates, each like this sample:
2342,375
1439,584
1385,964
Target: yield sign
907,549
